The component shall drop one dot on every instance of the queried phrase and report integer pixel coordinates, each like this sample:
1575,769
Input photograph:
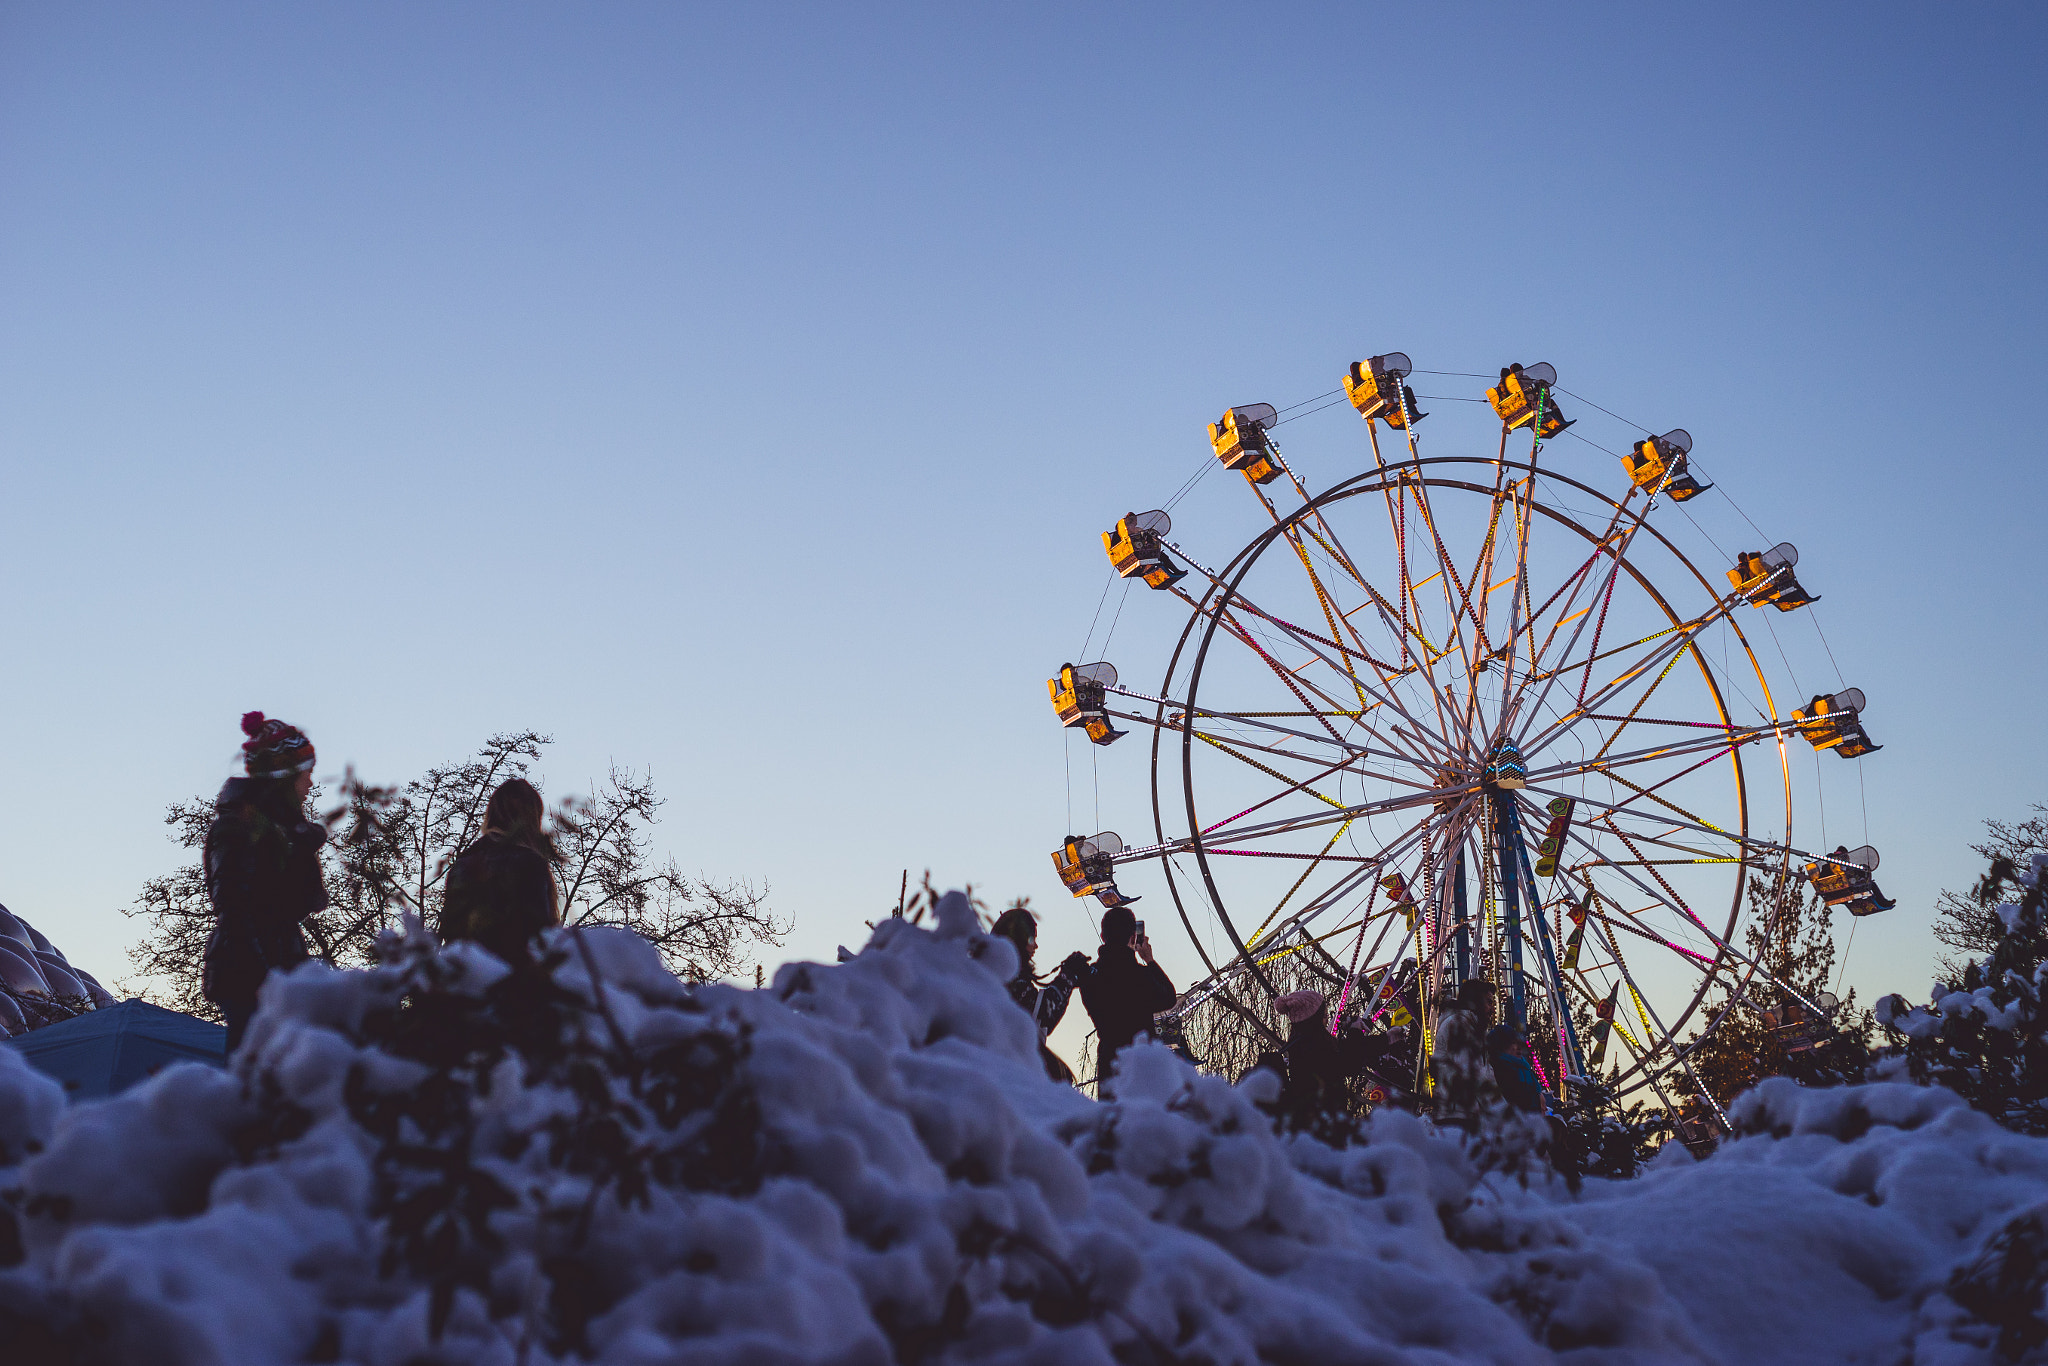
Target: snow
920,1190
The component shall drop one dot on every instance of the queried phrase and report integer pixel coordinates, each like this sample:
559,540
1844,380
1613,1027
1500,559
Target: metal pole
1458,900
1562,1003
1510,906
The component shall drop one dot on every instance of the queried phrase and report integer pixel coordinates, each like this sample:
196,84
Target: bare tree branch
390,848
1964,926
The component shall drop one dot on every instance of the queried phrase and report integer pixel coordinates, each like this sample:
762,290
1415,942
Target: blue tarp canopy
106,1051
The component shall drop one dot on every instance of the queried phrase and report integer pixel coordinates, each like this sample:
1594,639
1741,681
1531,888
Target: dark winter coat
1047,1006
261,863
1122,995
1319,1064
500,895
1517,1082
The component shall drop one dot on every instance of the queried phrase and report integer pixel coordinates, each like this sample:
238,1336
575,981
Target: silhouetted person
261,866
1511,1070
501,889
1121,993
1320,1064
1044,1001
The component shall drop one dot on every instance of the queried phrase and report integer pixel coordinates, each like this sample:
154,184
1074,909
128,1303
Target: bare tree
392,845
179,918
1964,926
608,877
390,850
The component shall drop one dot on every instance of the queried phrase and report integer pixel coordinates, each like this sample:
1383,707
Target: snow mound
437,1161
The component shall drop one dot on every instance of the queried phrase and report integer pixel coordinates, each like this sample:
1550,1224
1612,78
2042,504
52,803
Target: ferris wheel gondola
1469,714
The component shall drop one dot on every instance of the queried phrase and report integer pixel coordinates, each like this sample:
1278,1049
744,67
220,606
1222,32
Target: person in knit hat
1320,1061
261,864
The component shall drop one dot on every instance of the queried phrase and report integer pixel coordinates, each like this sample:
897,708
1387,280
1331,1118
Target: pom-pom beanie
274,749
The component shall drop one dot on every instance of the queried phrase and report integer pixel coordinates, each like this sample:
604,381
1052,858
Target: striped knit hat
274,749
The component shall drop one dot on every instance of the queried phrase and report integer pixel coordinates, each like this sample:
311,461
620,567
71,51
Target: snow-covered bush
1985,1035
436,1160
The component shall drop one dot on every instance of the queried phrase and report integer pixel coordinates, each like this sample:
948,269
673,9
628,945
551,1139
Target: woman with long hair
501,889
1045,1001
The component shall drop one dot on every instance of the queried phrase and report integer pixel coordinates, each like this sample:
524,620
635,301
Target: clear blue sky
738,391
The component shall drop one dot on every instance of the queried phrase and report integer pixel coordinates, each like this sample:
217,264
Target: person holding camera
1045,1001
1121,993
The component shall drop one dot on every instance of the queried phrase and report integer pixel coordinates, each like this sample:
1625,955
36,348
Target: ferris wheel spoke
1639,791
1632,922
1395,622
1565,616
1713,747
1290,529
1300,687
1757,969
1292,679
1663,840
1292,786
1662,893
1286,826
1484,587
1761,851
1667,650
1349,883
1618,555
1460,609
1316,644
1667,654
1669,891
1179,712
1682,631
1634,712
1252,939
1393,849
1609,810
1518,597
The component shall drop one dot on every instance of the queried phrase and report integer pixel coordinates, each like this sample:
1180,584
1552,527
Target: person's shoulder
528,860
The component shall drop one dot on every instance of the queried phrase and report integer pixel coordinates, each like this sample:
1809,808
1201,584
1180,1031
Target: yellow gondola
1523,393
1136,550
1080,695
1766,577
1086,865
1657,464
1376,389
1242,444
1843,878
1835,722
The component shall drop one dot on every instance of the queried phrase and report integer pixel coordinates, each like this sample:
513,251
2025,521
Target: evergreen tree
1982,1034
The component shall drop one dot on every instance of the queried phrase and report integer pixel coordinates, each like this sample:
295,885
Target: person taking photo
1122,991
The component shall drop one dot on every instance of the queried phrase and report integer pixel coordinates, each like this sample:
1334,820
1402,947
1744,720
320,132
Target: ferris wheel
1461,716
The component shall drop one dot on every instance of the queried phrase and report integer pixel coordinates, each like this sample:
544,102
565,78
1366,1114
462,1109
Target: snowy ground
889,1177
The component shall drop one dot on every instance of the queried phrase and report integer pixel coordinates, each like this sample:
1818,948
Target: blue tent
104,1052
